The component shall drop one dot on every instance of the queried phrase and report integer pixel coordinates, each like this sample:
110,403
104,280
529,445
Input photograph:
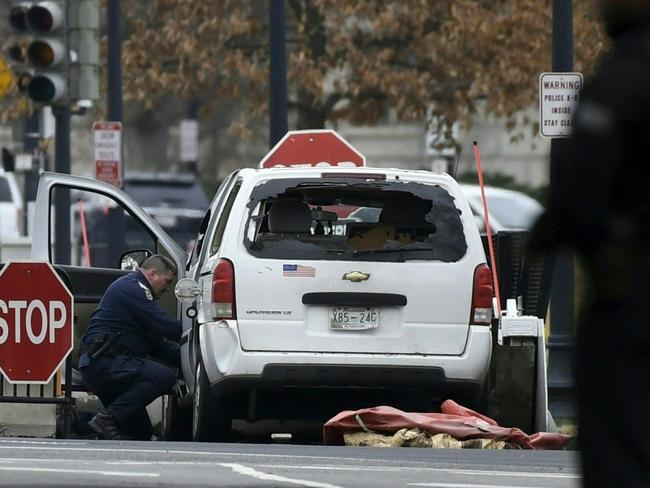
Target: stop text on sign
33,321
36,321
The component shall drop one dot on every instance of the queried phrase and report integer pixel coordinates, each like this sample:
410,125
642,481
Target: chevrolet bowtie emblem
356,276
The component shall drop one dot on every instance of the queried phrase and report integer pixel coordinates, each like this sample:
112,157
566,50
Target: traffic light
47,52
56,56
84,47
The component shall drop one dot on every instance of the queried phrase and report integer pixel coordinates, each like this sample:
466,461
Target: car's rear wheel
210,420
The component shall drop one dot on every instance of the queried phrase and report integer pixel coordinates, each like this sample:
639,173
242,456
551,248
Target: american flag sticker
298,270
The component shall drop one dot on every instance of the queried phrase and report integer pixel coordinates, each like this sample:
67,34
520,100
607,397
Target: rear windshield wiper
362,252
369,252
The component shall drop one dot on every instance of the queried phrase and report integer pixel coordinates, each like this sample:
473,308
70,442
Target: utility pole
61,113
114,64
114,13
278,124
561,340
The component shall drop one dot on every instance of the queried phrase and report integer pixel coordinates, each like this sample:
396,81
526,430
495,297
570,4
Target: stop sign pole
36,322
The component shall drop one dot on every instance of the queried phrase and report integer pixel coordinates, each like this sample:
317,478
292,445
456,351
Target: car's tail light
482,295
223,291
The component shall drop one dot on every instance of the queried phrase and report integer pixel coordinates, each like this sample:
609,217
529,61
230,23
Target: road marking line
521,474
80,471
246,471
462,485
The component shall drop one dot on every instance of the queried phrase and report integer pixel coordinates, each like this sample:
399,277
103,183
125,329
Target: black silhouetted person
600,205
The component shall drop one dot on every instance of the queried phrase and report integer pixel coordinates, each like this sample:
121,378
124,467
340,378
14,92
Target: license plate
354,318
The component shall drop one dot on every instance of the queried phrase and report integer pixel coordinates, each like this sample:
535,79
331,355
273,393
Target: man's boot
106,426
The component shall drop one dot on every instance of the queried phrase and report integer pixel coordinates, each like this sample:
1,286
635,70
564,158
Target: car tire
176,419
210,420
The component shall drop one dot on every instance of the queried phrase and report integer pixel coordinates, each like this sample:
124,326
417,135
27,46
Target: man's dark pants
127,384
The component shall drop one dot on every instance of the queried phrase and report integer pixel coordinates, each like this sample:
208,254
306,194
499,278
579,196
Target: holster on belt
100,346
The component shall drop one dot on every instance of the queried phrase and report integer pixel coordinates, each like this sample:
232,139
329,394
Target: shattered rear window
353,219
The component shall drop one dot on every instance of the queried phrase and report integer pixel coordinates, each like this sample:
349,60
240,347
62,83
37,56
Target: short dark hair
162,264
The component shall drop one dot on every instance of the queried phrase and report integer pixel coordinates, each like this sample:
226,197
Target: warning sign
558,96
108,151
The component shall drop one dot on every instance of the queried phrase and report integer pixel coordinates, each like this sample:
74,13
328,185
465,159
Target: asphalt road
74,463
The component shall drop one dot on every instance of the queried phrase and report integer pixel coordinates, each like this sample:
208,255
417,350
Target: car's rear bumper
230,368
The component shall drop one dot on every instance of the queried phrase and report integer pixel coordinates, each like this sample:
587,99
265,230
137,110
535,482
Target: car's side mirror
132,260
187,290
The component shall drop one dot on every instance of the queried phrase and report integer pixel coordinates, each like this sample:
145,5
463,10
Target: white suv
304,312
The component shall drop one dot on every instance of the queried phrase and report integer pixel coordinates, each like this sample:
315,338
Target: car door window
223,219
200,238
100,231
5,191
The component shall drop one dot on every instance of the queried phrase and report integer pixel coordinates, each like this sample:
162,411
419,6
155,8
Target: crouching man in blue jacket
127,329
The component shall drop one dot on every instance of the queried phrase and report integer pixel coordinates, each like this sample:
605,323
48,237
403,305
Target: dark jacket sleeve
150,315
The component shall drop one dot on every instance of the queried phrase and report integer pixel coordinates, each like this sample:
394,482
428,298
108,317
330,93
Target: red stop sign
322,147
36,316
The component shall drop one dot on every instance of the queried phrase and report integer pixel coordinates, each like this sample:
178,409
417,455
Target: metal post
278,72
114,12
114,63
62,198
560,343
62,163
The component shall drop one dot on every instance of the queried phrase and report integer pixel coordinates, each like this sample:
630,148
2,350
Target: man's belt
103,345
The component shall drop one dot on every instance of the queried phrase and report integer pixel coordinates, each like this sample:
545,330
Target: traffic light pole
62,198
114,63
560,342
278,73
62,158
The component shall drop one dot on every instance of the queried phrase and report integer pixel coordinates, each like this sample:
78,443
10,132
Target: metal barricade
39,394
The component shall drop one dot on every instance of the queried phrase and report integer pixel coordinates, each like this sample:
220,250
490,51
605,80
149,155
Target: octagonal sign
318,147
36,321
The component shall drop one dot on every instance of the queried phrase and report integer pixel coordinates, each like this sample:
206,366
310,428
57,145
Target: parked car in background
11,207
176,201
509,209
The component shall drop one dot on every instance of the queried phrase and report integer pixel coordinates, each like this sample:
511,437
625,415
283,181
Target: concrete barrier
27,419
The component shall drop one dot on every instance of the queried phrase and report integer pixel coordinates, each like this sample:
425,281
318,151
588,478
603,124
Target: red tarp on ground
455,420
